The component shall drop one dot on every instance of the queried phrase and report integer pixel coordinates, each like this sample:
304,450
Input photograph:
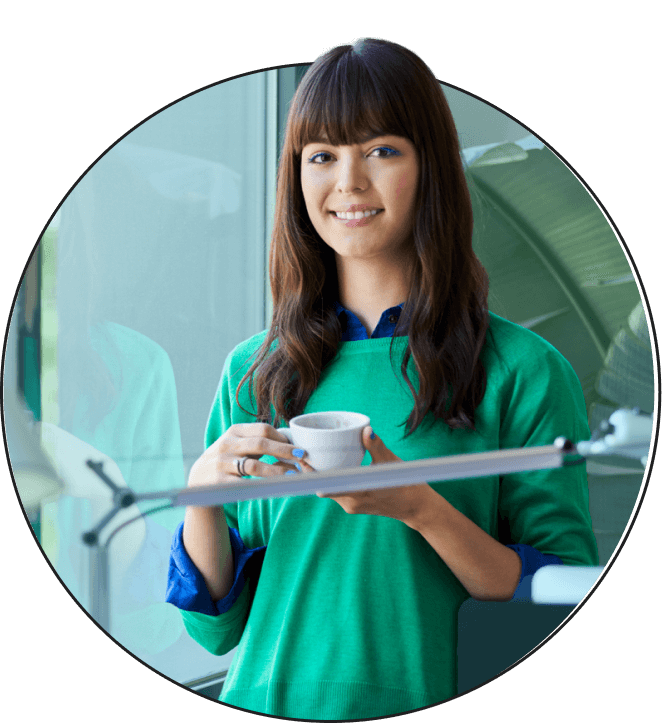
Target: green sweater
355,616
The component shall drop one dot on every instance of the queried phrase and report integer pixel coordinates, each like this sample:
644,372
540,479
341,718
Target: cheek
308,198
405,187
405,195
312,193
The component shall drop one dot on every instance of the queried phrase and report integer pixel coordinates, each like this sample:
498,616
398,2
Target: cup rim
360,420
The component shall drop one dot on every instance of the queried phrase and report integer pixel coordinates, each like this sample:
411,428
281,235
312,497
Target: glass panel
153,270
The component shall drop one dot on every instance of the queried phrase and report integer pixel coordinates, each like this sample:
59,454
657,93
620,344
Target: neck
367,289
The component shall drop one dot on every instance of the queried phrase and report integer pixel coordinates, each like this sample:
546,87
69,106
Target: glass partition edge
271,170
49,325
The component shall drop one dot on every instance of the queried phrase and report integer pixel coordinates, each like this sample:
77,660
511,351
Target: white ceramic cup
331,439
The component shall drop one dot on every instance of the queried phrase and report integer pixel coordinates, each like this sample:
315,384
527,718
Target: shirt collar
353,329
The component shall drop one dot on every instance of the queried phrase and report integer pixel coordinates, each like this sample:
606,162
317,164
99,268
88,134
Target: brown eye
321,157
385,152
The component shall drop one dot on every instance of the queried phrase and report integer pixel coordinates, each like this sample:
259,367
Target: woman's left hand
401,503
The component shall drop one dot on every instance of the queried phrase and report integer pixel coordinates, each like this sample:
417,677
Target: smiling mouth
351,215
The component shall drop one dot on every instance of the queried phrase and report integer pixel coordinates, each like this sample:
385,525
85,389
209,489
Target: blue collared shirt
186,587
353,329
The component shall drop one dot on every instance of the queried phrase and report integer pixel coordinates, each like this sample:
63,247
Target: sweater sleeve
218,627
545,509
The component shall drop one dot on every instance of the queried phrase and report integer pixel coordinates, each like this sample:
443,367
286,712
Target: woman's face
361,198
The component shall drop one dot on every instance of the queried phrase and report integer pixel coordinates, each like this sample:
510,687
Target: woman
345,606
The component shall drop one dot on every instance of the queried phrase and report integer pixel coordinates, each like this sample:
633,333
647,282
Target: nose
352,174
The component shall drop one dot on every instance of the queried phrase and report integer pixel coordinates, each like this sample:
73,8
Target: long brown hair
375,87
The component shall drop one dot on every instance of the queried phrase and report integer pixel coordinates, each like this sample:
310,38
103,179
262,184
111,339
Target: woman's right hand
252,440
206,537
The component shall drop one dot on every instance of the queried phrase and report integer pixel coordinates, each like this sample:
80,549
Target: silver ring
239,463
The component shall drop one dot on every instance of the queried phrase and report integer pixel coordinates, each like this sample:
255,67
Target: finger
253,429
378,450
303,466
374,444
255,468
263,440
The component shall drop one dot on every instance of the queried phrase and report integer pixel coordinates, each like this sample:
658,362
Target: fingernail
298,453
298,466
290,471
373,435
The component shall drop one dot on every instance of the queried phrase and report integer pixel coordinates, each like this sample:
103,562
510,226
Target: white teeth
348,215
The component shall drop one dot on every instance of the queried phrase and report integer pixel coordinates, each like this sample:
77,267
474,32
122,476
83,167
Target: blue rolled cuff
532,561
187,589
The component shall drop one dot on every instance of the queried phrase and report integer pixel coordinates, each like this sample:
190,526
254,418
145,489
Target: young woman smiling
345,606
361,199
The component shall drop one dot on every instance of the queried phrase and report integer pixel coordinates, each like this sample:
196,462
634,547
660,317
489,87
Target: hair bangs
344,104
